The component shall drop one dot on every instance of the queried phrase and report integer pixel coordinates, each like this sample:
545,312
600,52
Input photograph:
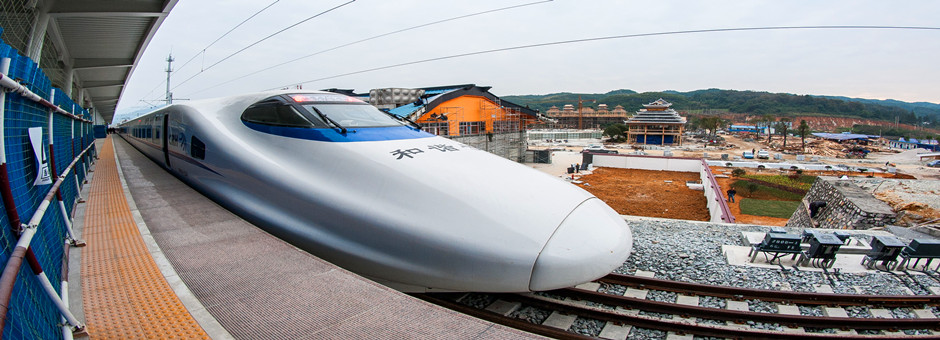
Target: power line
713,30
213,43
227,33
371,38
263,39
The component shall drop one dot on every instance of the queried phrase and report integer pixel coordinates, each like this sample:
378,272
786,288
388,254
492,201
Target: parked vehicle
597,148
748,155
934,163
763,154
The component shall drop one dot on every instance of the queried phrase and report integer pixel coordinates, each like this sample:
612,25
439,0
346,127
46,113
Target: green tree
783,125
711,124
616,132
804,130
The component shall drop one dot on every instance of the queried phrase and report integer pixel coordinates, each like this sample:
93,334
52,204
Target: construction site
908,187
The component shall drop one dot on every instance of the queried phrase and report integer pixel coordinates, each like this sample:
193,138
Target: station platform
163,261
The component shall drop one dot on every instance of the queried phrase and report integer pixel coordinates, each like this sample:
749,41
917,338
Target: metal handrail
12,268
14,86
725,210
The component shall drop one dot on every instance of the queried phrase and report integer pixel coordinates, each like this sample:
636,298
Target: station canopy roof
101,41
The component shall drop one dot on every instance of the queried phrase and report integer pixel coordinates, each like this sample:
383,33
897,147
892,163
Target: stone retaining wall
848,206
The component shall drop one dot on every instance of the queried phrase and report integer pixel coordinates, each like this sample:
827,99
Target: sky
901,64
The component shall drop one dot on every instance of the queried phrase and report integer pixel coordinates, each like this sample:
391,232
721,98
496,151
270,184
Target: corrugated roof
840,136
405,110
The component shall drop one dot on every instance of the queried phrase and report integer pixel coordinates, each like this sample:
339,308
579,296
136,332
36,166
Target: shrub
761,167
751,187
728,164
738,172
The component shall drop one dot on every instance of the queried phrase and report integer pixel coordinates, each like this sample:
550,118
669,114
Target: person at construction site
731,193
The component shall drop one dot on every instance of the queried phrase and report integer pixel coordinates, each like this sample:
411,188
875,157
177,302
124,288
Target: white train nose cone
590,243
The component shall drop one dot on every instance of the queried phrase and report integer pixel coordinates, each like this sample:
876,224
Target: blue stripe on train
369,134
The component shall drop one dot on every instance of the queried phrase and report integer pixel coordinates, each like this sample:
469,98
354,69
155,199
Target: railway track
613,315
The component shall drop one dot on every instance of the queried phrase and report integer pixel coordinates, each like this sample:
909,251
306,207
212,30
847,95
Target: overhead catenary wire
203,51
263,39
624,36
372,38
224,35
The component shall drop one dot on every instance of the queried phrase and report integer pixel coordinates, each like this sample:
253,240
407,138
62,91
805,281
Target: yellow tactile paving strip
124,294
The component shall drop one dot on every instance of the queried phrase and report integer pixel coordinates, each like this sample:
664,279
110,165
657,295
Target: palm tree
804,130
784,125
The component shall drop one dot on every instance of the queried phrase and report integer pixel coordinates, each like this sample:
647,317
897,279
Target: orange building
458,110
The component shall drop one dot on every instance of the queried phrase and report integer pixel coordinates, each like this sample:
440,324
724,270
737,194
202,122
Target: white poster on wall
43,176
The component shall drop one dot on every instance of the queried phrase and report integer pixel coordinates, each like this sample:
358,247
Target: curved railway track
703,321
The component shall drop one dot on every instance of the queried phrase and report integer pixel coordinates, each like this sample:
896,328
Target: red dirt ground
646,193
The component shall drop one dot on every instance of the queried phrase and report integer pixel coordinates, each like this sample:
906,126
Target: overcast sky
866,63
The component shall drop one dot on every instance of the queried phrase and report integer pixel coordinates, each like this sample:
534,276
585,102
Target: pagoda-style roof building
656,124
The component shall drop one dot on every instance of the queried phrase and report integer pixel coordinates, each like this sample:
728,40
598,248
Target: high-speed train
371,193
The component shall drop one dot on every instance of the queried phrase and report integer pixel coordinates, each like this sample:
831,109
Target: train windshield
351,115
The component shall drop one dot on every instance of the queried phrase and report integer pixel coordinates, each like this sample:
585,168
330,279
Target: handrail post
27,231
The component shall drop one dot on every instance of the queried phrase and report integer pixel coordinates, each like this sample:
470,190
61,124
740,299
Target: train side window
197,148
273,113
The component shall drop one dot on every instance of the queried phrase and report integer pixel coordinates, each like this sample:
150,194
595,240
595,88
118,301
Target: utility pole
580,114
169,69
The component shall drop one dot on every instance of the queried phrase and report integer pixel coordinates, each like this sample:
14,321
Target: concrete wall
648,162
848,206
715,200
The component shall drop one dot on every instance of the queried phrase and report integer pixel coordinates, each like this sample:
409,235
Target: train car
371,193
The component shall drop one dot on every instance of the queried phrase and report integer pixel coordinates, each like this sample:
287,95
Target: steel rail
635,320
501,319
772,295
685,326
742,316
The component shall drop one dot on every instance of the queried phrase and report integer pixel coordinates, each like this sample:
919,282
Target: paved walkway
123,291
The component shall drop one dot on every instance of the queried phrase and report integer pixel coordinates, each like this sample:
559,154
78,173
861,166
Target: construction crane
581,115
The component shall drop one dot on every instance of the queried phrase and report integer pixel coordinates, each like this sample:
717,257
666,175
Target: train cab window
352,115
274,113
197,148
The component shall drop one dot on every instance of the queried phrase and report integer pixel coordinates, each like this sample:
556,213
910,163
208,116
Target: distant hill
921,109
749,102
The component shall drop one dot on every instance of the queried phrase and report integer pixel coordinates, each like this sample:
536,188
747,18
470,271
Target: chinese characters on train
411,153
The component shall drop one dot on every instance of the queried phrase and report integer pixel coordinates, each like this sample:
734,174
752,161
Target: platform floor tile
123,291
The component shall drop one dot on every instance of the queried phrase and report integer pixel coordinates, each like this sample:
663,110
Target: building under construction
571,117
466,113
